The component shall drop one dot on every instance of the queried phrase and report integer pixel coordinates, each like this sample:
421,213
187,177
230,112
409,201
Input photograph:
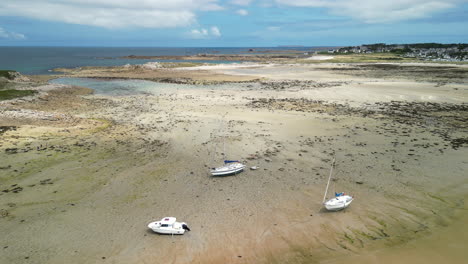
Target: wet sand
446,244
82,174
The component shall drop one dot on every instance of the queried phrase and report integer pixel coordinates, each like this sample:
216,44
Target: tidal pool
131,87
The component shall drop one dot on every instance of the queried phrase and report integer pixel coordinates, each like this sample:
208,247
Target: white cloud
371,11
205,33
111,13
242,12
241,2
11,35
273,28
215,31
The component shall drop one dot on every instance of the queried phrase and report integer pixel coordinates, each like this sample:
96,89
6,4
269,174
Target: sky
230,23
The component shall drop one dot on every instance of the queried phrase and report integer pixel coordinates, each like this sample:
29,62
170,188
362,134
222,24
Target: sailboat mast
329,178
213,145
224,144
224,135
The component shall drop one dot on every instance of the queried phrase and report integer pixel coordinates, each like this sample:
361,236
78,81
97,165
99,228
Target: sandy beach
82,174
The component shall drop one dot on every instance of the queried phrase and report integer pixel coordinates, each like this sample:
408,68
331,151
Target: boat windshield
164,225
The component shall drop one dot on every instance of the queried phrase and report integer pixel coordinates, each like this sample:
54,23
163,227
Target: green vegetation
11,94
349,238
180,64
105,124
335,53
7,74
381,222
365,235
437,45
378,46
401,51
364,58
7,89
436,197
460,55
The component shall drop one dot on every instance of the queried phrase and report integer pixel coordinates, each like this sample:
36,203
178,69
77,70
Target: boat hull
175,229
168,232
338,203
229,169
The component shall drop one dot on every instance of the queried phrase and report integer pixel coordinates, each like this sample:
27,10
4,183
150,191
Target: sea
42,60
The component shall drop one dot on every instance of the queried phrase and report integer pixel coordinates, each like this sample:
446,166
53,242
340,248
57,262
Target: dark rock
11,150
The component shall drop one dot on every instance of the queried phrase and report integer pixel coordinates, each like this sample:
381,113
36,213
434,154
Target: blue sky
230,23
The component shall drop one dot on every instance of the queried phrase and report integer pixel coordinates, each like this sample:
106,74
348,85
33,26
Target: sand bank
320,58
86,187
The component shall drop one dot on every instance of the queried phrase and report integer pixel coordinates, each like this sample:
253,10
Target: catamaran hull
338,203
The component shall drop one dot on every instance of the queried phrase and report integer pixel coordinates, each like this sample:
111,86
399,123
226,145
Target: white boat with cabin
169,226
340,201
230,167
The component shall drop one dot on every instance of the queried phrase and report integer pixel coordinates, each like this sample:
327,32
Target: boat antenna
329,178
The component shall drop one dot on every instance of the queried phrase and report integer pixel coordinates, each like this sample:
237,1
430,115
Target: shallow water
115,87
132,87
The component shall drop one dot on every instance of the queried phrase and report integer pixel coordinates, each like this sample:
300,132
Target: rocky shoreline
221,57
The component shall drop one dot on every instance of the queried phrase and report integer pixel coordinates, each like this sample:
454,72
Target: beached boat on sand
169,226
230,167
340,201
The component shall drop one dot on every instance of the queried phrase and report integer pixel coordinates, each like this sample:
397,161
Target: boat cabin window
165,225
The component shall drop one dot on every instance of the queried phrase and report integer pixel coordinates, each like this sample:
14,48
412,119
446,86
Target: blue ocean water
40,60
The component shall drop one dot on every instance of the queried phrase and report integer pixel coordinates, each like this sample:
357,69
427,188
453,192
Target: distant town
423,51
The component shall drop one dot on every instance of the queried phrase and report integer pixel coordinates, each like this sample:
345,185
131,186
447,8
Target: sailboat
340,201
230,167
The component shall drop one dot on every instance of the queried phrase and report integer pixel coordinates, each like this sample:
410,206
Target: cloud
111,13
242,12
273,28
371,11
215,31
11,35
196,33
204,33
241,2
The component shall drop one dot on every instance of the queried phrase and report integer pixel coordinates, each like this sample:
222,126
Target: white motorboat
169,226
340,201
230,167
